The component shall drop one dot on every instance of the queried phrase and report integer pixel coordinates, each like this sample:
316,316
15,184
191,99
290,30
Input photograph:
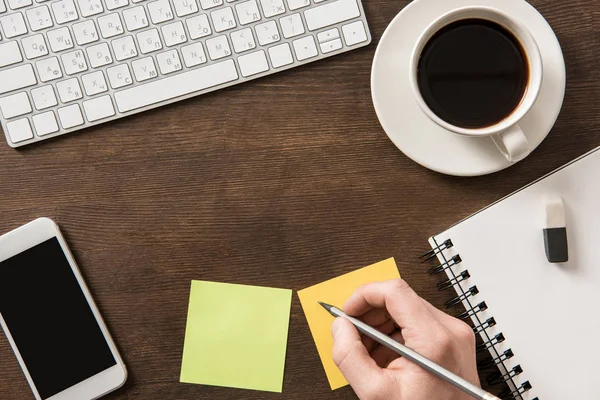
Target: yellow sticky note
335,292
236,336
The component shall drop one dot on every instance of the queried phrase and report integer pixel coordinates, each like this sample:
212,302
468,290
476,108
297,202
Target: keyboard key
15,105
198,26
218,47
185,7
254,63
208,4
10,54
331,13
45,123
49,69
144,69
110,25
64,11
267,33
69,90
74,62
160,11
17,78
168,62
34,46
60,39
99,55
85,32
305,48
70,116
296,4
16,4
326,36
223,19
39,18
176,86
193,55
330,46
19,130
119,76
13,25
114,4
44,97
2,6
90,7
174,33
281,55
94,83
149,41
243,40
292,25
354,33
248,12
272,8
135,18
124,48
99,108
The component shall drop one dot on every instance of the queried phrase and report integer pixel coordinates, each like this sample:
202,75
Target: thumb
353,359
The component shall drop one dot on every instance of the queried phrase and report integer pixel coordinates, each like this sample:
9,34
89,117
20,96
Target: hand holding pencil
376,372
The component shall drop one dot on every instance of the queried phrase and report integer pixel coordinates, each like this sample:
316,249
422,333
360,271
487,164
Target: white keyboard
69,64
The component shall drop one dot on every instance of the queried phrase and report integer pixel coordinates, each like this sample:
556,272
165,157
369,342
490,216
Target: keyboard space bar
176,86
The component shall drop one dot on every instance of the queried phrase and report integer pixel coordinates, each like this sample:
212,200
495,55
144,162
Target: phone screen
50,319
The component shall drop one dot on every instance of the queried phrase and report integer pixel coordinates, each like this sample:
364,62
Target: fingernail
336,327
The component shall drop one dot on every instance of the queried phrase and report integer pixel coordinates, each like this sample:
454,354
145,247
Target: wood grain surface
286,181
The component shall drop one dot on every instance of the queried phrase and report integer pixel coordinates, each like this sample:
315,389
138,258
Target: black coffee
473,73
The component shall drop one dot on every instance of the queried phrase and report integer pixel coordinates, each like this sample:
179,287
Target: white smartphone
50,318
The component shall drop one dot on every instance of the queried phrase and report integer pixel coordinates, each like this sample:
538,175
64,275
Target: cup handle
513,144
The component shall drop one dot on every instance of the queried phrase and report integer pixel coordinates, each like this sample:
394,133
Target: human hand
377,373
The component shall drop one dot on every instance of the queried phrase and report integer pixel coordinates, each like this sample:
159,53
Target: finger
375,316
386,328
384,356
353,359
368,343
401,302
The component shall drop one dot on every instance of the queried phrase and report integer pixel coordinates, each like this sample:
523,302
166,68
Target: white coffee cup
506,134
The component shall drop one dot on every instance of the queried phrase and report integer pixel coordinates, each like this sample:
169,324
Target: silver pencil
413,356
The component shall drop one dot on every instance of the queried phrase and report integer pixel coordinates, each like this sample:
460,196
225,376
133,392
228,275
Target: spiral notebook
540,321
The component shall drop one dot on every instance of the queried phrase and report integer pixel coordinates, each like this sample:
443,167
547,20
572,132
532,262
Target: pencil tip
325,306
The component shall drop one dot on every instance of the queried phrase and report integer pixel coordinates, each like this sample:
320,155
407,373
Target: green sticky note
236,336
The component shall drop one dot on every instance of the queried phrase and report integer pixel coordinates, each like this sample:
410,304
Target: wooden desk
286,182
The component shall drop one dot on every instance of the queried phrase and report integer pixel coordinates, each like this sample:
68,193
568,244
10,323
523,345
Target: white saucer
426,142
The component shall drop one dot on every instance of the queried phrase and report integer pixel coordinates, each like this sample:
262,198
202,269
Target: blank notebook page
548,313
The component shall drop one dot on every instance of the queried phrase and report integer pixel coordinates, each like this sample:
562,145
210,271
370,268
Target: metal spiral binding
454,281
484,325
473,311
481,327
472,291
434,252
488,344
525,387
438,269
498,378
494,362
